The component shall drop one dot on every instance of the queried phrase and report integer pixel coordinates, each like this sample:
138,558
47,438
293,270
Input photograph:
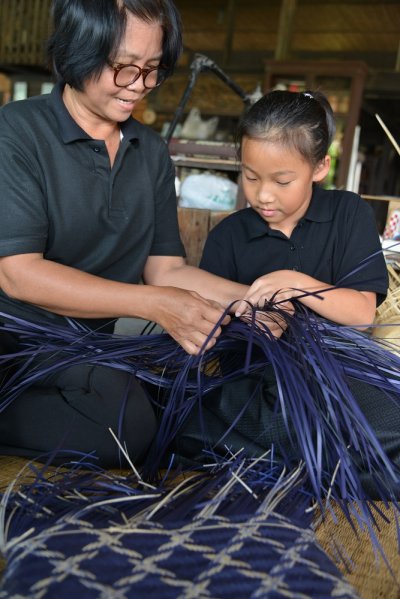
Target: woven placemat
364,569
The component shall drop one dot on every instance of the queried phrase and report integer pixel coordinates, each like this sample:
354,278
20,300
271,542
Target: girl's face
277,182
142,46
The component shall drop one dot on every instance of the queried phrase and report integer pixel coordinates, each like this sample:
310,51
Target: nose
265,195
137,86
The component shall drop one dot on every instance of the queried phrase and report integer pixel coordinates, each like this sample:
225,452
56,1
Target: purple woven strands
311,362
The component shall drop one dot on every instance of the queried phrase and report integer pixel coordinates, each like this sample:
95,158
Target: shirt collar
70,130
320,210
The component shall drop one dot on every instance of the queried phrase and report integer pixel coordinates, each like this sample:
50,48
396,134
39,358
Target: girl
297,236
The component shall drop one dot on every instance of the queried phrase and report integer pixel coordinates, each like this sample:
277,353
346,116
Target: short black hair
87,35
303,121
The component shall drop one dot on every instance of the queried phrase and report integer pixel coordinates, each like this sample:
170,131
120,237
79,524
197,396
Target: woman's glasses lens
129,74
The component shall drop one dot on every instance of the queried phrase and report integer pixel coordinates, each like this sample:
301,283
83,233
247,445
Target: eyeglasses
126,74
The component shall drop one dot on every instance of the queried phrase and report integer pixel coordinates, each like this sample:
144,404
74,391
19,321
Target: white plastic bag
208,191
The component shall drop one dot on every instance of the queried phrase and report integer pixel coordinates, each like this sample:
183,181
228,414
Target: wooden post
230,30
193,227
285,29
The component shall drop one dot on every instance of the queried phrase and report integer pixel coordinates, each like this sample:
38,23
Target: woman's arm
173,270
67,291
167,270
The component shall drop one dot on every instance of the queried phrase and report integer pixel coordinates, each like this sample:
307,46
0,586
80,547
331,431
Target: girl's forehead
265,154
264,146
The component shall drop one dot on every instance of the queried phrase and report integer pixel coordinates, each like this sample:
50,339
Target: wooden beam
230,31
285,29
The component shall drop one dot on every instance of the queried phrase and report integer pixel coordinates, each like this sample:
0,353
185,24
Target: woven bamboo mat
9,468
368,574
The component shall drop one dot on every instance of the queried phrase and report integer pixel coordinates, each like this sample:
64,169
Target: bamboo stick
390,136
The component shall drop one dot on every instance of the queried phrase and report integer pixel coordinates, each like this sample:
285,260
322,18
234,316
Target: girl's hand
274,320
339,304
277,286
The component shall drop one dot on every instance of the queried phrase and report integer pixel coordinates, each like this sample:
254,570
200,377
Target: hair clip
308,95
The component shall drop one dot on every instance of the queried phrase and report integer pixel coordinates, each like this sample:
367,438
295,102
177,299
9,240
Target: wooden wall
24,26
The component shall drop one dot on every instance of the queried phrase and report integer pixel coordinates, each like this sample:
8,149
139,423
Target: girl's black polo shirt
336,242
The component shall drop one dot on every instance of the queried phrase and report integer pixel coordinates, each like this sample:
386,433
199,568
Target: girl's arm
339,304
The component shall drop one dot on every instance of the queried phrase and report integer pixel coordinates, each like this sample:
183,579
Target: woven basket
388,313
390,308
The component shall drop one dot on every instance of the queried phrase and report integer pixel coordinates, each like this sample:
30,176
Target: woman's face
142,46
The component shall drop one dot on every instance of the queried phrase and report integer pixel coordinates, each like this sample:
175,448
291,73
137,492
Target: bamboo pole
390,136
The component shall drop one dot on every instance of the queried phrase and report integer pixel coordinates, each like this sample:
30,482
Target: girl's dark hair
87,35
303,121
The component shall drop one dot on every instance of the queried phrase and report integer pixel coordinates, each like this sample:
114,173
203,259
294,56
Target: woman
87,210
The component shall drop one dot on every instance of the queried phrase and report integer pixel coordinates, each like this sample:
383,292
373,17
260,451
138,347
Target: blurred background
349,49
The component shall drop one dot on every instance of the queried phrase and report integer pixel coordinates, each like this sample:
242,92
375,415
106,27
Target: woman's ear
322,169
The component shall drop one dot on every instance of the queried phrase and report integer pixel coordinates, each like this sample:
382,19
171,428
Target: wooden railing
24,28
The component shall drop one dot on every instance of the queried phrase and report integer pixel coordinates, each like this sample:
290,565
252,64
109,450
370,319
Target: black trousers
74,409
259,425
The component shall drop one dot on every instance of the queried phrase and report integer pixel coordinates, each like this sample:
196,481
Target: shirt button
295,268
96,149
292,247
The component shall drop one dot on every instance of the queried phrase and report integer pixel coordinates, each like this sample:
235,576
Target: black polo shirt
59,196
336,242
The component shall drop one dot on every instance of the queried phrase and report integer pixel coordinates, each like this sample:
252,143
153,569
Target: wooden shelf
190,147
205,163
203,154
207,155
314,73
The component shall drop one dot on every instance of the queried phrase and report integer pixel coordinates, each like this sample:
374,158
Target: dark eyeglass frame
141,73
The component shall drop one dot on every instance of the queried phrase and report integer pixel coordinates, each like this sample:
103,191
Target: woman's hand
189,318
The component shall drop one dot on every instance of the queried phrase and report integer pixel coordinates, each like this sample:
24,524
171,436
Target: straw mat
367,572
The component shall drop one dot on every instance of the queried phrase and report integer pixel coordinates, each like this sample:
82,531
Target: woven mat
367,572
368,575
9,468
